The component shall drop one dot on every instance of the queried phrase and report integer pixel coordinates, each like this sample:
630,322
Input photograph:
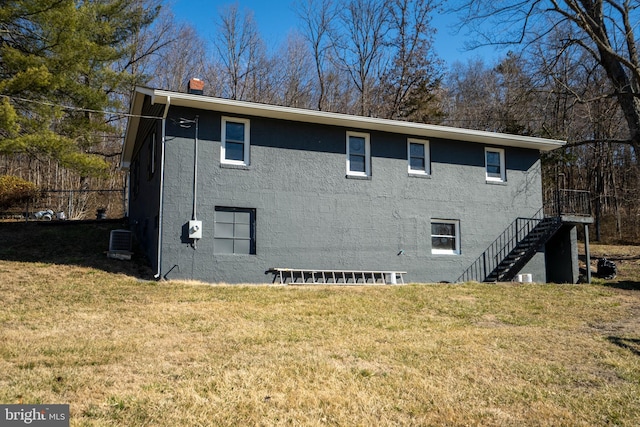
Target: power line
85,110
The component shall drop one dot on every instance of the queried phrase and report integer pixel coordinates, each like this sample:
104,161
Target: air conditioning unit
120,244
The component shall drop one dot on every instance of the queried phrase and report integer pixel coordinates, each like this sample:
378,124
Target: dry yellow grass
125,352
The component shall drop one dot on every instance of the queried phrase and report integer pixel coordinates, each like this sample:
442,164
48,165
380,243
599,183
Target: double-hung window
234,231
445,237
235,141
418,156
358,154
494,165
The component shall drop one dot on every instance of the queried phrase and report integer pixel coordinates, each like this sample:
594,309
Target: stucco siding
309,214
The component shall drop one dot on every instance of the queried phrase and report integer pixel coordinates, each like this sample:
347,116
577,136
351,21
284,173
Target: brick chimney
195,87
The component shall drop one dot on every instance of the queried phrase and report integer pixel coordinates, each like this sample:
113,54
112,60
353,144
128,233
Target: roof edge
247,108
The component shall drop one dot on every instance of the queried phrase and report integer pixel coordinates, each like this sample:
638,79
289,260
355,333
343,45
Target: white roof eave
345,120
322,117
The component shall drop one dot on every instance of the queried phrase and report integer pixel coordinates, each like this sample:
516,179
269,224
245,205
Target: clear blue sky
276,19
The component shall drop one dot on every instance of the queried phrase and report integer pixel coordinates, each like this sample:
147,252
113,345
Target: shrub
15,190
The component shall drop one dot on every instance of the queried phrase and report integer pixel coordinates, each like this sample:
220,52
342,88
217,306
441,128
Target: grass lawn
122,351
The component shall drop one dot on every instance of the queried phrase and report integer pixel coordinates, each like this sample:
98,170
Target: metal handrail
564,202
500,248
569,202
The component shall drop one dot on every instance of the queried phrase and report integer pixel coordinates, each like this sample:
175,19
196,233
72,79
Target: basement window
445,237
235,141
234,231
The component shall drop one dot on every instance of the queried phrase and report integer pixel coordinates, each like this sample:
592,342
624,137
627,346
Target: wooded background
569,70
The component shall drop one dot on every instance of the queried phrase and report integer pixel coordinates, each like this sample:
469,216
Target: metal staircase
511,251
524,250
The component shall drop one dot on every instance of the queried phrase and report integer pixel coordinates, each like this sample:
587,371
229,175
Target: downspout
195,172
161,207
195,180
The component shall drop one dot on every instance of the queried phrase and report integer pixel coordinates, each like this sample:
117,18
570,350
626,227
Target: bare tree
317,18
294,73
592,158
472,97
501,98
410,82
360,46
239,46
605,29
181,60
146,43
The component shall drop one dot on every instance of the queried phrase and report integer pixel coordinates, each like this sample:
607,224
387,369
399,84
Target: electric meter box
195,229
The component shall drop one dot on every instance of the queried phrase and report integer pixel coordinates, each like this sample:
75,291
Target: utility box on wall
195,229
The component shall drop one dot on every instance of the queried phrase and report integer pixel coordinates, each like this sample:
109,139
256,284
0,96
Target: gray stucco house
235,192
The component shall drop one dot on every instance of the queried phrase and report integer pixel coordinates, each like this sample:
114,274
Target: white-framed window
235,147
234,231
494,164
418,157
358,154
445,237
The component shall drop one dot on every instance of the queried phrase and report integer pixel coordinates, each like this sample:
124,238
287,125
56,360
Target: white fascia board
245,108
132,130
361,122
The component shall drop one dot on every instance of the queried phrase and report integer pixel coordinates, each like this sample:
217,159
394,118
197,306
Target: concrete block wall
309,214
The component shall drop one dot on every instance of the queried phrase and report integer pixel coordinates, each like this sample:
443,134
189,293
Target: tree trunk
624,87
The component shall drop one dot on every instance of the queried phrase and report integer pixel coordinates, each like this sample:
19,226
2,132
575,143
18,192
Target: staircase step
524,247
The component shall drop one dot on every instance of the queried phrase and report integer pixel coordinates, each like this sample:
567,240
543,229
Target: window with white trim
445,237
358,154
418,156
234,231
494,164
235,141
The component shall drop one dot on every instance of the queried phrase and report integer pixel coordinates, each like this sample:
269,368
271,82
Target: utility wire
120,114
85,110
